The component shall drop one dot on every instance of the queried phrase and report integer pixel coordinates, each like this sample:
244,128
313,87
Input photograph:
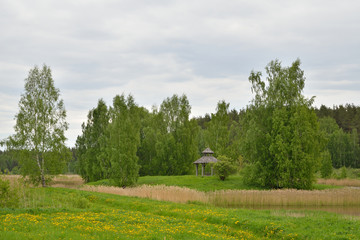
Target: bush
8,196
343,173
224,167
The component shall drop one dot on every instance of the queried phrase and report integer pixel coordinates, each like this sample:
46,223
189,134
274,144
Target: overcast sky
205,49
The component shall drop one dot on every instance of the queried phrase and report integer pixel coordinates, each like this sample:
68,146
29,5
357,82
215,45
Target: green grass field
206,184
55,213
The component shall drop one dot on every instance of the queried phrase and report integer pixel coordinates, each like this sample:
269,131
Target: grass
57,213
208,183
204,184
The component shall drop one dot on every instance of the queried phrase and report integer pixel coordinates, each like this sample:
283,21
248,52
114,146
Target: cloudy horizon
152,50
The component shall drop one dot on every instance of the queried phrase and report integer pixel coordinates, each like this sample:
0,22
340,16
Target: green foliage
281,132
224,167
343,142
92,162
217,132
343,147
8,163
176,145
8,196
343,173
109,142
222,133
123,139
326,165
254,175
39,142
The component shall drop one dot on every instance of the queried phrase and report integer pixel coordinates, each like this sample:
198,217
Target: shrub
224,167
343,173
8,196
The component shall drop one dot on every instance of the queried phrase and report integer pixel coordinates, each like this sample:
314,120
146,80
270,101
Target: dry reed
286,198
158,192
345,197
241,198
340,182
67,181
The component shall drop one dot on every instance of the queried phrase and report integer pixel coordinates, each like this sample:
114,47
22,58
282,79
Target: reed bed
344,197
241,198
67,181
340,182
158,192
286,198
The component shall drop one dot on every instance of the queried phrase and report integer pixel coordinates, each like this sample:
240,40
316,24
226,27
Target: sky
205,49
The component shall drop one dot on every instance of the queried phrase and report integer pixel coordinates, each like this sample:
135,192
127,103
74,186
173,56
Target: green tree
149,133
123,141
281,131
93,165
176,147
218,132
40,126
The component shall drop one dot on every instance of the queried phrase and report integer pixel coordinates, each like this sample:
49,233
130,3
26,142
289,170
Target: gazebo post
197,166
212,171
202,169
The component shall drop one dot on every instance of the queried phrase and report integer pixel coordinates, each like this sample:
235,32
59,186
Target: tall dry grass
345,197
67,181
241,198
340,182
286,198
158,192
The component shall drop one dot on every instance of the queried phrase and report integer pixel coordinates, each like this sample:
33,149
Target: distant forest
169,140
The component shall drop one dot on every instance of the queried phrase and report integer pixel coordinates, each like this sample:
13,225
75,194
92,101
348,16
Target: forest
220,131
279,135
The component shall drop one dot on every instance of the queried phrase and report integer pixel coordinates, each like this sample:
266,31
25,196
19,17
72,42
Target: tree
326,164
218,133
176,147
92,163
123,140
40,127
281,132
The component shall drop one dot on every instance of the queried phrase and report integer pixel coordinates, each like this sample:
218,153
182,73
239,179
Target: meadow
61,213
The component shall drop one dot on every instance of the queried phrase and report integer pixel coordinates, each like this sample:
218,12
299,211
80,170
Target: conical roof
207,151
207,158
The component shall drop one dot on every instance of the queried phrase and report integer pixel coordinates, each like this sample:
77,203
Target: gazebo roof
206,159
207,151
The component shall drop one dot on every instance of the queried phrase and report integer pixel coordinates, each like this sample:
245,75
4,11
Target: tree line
280,138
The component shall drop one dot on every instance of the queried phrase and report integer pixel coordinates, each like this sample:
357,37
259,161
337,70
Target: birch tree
40,127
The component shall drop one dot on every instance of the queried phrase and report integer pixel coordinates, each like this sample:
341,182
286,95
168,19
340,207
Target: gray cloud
205,49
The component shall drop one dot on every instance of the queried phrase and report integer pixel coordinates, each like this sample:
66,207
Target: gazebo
206,158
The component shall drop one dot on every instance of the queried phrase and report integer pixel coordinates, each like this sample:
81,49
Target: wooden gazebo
206,158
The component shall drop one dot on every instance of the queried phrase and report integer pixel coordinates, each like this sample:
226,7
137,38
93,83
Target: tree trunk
43,178
43,184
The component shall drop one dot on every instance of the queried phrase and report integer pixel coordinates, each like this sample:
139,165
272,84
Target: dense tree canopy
277,135
92,165
281,135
